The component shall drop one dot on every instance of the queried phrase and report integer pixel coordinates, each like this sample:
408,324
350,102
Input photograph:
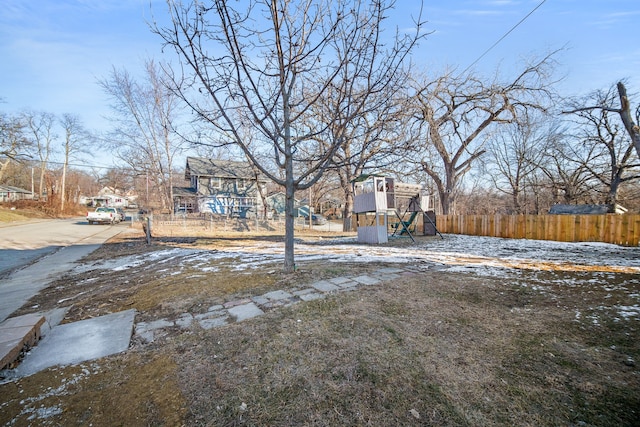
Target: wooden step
18,334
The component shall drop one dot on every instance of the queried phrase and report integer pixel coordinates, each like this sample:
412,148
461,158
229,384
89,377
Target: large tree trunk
41,187
445,202
290,188
346,176
347,213
447,195
612,198
625,114
289,260
515,197
612,195
63,185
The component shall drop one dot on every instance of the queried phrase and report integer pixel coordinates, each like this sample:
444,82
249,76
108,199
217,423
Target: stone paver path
248,308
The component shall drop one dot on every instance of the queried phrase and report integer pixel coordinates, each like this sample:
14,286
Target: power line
78,165
504,36
85,165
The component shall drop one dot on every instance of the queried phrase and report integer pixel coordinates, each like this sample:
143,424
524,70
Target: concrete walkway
93,338
102,336
78,342
248,308
25,331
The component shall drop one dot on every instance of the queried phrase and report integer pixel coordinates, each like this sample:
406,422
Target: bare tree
611,160
145,137
118,179
265,64
515,154
540,197
627,118
456,114
74,142
605,103
563,165
366,140
40,127
13,144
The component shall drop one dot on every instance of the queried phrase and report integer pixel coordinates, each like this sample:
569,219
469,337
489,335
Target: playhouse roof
366,176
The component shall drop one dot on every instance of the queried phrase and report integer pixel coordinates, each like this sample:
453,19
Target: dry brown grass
130,389
8,215
431,348
24,210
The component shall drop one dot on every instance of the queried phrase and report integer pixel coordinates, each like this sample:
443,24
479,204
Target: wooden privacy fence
618,229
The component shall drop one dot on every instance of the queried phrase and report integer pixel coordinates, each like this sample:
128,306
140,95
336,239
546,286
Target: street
47,248
23,243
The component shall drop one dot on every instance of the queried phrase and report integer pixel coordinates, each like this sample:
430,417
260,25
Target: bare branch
257,76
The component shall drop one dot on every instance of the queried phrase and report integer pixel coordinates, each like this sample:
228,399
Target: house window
215,183
241,184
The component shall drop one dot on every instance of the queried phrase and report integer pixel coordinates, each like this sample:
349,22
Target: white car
103,215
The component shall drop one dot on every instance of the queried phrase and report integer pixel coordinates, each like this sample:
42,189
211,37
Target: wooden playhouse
383,205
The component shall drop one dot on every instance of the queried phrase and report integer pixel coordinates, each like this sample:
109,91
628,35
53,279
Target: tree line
313,93
309,88
49,153
29,141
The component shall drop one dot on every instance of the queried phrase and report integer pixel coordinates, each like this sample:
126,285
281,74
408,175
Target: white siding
373,234
370,202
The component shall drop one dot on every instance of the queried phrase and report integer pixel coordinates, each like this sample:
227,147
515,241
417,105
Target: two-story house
221,187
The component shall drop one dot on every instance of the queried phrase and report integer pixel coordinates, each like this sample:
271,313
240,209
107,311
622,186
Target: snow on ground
482,255
534,263
467,252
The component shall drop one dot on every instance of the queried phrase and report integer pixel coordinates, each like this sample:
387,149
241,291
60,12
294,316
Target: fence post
148,230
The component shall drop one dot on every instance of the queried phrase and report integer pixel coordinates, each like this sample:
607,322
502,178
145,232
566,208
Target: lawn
472,332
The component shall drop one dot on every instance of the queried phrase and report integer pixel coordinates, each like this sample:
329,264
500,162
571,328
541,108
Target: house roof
366,176
12,189
561,209
198,166
184,192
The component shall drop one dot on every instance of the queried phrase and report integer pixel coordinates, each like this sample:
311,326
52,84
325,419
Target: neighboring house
109,200
9,193
221,187
561,209
111,197
276,204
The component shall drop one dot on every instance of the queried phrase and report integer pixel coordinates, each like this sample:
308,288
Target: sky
54,52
